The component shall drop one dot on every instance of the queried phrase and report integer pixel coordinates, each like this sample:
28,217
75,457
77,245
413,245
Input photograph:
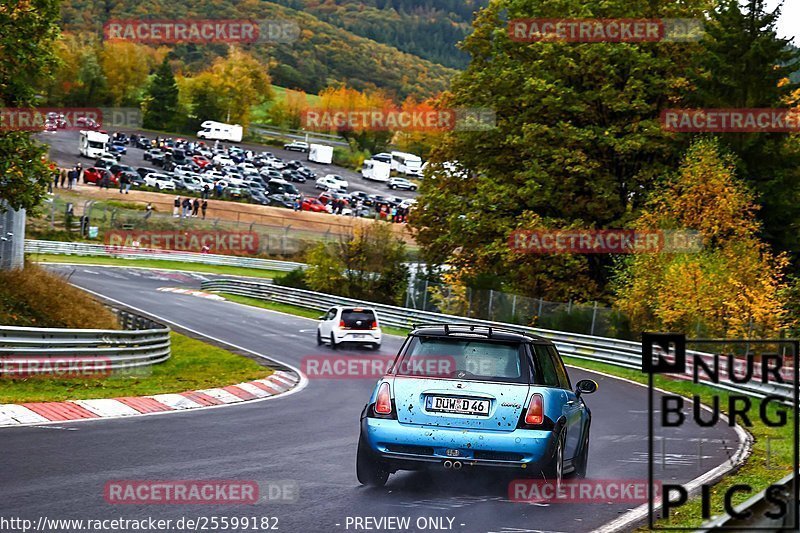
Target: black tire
333,342
554,472
369,471
413,189
376,346
582,461
319,338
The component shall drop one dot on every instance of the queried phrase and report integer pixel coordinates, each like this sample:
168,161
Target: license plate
461,406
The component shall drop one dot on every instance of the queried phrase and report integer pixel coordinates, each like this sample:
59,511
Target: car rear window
358,318
463,358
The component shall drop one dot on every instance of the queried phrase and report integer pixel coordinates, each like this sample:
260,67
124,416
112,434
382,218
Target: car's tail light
341,324
383,403
374,325
535,414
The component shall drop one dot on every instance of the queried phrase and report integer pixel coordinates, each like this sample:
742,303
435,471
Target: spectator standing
63,173
204,207
176,207
187,207
204,193
195,207
148,211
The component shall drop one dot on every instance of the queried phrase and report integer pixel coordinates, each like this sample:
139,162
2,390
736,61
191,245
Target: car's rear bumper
410,446
358,336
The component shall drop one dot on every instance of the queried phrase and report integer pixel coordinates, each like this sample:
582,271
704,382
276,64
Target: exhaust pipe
448,464
456,465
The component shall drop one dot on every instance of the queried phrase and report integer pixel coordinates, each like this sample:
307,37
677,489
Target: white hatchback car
352,325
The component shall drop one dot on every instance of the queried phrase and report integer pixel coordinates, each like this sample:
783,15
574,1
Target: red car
201,161
327,196
95,175
312,204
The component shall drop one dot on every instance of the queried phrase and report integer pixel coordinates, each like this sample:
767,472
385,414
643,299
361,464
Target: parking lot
64,151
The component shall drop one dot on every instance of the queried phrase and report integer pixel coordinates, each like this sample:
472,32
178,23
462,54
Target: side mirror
321,317
586,386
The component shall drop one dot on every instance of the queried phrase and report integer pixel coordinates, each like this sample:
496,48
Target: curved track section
309,437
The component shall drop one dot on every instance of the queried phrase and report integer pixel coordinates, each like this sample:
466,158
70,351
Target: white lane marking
639,514
55,427
106,407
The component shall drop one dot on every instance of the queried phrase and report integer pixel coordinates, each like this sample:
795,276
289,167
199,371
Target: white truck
320,153
408,164
92,144
219,131
376,170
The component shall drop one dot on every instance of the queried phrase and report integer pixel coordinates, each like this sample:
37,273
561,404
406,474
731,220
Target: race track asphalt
308,438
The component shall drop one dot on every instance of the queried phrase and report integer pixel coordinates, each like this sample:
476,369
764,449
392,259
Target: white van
320,153
376,170
219,131
92,144
408,164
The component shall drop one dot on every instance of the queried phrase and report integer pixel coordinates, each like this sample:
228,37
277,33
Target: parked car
293,164
201,161
143,142
401,183
118,147
327,182
97,174
223,161
349,325
105,162
327,196
293,175
188,183
307,173
313,205
474,396
297,146
148,155
162,182
116,169
144,171
281,200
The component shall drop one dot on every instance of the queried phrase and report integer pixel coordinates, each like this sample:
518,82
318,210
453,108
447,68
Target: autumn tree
287,112
732,287
126,67
361,136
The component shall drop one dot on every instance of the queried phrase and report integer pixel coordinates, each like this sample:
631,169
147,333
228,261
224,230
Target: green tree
746,65
161,102
368,265
577,142
27,32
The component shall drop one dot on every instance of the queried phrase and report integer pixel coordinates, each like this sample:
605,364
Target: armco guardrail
617,352
122,252
143,342
756,509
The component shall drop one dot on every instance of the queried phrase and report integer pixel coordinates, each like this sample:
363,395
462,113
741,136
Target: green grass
760,469
259,112
297,310
155,263
193,365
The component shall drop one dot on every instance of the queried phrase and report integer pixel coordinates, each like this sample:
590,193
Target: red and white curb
47,412
192,292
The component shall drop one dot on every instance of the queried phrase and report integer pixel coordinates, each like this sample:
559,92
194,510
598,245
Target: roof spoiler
450,329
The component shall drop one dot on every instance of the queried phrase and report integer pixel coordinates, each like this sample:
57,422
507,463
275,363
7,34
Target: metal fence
12,237
142,342
618,352
87,249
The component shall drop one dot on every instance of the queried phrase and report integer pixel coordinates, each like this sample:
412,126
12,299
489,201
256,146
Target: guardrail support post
594,317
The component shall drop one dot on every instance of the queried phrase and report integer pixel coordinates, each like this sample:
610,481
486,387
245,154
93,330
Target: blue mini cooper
470,396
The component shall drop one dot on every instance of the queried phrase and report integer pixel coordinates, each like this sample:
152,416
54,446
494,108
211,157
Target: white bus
219,131
408,164
93,144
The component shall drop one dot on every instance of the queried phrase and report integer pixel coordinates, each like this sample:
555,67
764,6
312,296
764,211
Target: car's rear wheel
369,471
376,346
333,341
554,473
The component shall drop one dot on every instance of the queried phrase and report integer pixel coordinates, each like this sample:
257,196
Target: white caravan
376,170
320,153
408,164
219,131
93,144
